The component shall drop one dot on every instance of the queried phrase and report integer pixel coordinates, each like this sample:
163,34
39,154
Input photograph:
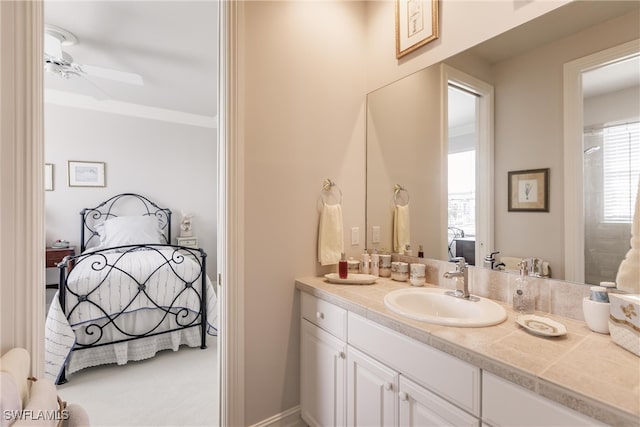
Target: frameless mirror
406,129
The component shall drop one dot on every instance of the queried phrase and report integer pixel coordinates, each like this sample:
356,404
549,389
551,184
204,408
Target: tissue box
624,321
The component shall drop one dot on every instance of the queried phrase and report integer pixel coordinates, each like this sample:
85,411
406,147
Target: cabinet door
420,407
372,391
322,377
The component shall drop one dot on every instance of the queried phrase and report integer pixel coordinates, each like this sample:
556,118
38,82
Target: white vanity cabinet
356,372
372,391
507,404
323,363
420,407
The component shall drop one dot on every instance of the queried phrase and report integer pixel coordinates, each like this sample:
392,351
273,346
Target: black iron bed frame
90,219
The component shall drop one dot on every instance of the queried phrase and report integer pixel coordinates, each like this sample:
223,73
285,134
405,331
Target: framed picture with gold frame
529,190
416,24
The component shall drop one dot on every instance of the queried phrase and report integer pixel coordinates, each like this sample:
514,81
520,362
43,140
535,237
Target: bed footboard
164,285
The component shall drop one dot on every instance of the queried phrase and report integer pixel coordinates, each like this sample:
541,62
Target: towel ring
400,195
328,187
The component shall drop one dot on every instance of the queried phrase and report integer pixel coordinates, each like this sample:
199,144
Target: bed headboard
121,204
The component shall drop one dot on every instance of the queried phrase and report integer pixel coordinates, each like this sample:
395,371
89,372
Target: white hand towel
628,278
330,235
401,229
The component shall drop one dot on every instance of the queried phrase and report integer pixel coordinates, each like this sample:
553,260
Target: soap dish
541,325
352,279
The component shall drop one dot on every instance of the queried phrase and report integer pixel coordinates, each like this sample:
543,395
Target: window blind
621,169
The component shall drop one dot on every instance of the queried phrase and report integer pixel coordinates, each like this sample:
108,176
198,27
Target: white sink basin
433,305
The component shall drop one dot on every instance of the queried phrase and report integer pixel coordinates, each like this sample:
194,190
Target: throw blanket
104,284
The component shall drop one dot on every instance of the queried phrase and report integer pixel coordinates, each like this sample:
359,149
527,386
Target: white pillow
131,230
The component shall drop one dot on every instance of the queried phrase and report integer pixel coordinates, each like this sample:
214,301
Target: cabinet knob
404,396
341,355
388,386
320,315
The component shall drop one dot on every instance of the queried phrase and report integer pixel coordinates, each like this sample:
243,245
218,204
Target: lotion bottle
343,267
375,263
366,259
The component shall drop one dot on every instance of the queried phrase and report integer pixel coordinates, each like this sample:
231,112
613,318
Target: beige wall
463,23
404,146
305,68
529,135
302,107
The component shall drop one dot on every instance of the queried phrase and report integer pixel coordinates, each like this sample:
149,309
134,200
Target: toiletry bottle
420,252
366,259
407,250
522,301
343,267
375,263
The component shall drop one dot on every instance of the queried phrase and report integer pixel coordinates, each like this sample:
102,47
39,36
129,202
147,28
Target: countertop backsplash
551,295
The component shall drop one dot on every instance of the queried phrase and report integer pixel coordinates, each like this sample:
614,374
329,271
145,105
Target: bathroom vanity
362,364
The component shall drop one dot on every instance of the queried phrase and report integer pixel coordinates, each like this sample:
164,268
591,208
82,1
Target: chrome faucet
462,284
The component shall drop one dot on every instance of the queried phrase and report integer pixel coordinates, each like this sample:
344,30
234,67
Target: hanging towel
330,235
401,229
628,278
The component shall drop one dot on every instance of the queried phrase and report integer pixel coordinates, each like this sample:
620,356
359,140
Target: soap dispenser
343,266
522,300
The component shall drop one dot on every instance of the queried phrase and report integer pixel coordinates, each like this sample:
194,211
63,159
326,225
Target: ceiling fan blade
107,73
52,46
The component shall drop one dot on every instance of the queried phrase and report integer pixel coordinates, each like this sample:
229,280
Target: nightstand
188,242
53,256
56,255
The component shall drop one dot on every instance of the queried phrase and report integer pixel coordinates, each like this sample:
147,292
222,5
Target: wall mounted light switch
375,234
355,236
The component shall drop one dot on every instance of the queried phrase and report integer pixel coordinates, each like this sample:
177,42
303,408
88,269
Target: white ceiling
173,45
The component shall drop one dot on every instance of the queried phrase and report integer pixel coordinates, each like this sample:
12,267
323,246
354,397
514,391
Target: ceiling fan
60,63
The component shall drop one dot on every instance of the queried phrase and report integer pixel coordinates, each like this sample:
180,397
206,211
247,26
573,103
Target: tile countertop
582,370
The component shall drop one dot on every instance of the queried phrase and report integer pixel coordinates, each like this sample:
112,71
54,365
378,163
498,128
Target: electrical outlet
355,236
375,234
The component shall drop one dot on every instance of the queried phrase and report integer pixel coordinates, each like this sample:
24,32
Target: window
621,171
462,192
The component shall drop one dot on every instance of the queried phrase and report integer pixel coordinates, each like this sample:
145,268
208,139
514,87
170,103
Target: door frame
22,241
484,157
230,222
573,151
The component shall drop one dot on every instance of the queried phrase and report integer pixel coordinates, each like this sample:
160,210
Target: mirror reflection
425,133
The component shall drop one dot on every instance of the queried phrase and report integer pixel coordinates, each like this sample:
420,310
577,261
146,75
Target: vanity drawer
445,375
507,404
329,317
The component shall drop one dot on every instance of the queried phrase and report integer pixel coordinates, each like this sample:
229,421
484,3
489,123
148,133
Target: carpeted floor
172,389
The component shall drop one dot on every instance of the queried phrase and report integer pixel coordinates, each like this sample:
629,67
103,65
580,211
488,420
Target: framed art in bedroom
86,174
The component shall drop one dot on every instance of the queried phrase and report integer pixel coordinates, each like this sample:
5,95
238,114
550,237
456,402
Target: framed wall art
416,24
86,174
529,190
48,177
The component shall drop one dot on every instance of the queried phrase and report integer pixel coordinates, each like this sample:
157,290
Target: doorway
461,171
138,123
611,165
468,130
586,126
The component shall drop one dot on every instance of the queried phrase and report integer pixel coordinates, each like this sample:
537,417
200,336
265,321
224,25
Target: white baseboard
288,418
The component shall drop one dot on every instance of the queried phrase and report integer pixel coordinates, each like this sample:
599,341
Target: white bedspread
131,282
